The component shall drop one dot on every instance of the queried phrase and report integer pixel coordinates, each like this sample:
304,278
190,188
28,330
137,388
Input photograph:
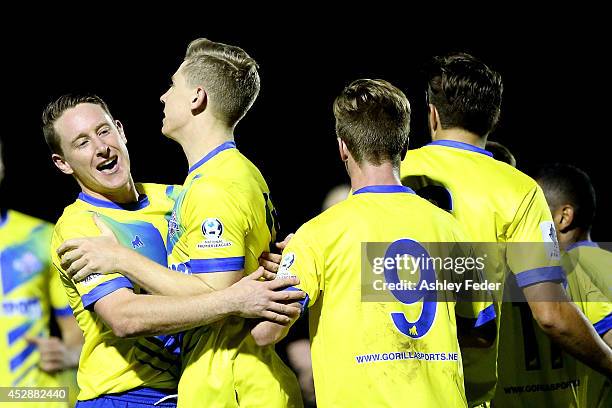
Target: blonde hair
228,75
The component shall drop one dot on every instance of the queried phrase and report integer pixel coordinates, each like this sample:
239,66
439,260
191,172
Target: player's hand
54,355
251,297
270,261
81,257
283,244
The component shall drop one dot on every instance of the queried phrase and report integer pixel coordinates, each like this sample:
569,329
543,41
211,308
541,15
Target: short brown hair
55,109
373,119
228,74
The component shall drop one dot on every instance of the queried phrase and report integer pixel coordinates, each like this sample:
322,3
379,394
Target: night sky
554,105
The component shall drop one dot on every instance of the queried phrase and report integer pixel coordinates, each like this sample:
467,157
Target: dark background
554,106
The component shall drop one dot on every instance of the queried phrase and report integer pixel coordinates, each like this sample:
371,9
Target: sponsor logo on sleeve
212,229
91,279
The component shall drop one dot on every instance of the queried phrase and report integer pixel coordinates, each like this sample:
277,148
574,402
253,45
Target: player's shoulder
23,224
155,189
77,215
28,221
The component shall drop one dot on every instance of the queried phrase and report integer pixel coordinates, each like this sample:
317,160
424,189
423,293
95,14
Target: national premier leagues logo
212,229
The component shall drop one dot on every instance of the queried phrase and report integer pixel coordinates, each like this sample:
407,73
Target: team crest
212,229
172,225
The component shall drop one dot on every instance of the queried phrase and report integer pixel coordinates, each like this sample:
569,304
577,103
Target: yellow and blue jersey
30,293
544,375
222,221
109,364
376,352
495,203
588,269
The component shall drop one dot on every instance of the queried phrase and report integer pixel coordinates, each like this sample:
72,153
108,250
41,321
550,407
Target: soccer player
374,353
30,293
563,381
222,220
118,363
495,203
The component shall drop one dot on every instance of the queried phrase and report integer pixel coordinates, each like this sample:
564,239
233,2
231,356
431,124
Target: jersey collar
142,202
227,145
384,189
461,145
585,243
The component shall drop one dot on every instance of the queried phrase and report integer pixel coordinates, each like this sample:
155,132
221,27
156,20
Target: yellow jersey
496,204
109,364
222,221
31,291
373,347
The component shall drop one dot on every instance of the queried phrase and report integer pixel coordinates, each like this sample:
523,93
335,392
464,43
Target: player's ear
343,150
563,217
404,149
434,120
61,164
198,99
119,126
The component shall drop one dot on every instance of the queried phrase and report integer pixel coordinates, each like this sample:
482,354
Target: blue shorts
136,398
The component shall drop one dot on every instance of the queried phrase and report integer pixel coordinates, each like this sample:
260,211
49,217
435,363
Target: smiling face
93,150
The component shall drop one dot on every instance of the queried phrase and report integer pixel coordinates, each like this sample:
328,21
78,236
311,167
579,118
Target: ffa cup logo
285,265
549,236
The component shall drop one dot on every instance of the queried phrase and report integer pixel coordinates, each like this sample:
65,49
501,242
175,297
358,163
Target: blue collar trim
384,189
227,145
461,145
585,243
142,202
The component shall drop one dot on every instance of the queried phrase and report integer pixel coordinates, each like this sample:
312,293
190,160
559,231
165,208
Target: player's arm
81,257
607,338
60,354
563,322
299,259
130,315
472,336
214,232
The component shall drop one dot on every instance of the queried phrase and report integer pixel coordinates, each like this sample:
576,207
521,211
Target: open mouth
107,166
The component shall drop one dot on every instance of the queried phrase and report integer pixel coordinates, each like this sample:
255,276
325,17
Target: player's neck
460,135
125,195
370,175
573,236
203,137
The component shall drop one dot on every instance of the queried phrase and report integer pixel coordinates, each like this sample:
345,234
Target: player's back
483,194
110,364
373,352
28,296
495,203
